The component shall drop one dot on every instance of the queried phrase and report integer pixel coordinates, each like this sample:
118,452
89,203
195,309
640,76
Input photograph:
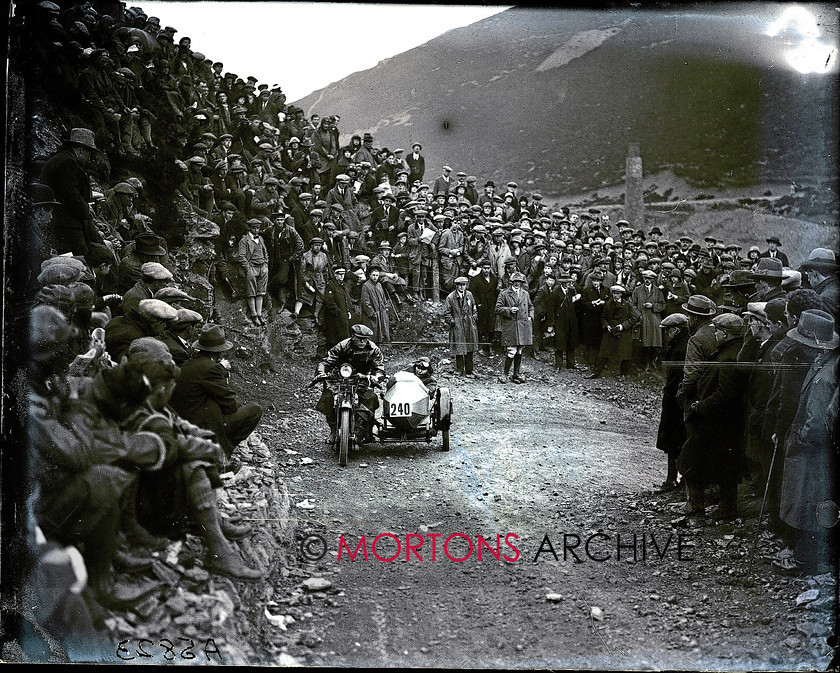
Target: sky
294,44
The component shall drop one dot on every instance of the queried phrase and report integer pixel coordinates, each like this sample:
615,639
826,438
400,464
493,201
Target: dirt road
557,461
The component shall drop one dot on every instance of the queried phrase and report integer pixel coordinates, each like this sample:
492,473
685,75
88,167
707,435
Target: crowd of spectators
132,417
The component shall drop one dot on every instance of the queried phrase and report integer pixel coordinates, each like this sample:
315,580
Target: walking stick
763,504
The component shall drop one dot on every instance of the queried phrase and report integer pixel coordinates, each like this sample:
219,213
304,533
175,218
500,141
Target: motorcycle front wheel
343,436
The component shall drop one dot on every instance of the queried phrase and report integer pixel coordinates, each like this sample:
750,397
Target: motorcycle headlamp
346,371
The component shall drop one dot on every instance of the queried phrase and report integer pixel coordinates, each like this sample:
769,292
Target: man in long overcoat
461,312
810,464
565,322
485,290
670,436
336,311
713,450
516,314
375,306
649,302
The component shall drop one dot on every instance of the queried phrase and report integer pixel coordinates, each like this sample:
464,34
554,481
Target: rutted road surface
556,455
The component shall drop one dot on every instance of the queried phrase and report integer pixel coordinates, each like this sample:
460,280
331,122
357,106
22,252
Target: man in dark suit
485,289
773,244
73,228
416,164
384,220
203,394
336,311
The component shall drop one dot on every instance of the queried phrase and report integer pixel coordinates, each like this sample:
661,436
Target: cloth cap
157,309
359,330
155,271
674,320
516,276
59,274
172,294
729,322
149,351
461,279
186,316
756,308
618,288
49,332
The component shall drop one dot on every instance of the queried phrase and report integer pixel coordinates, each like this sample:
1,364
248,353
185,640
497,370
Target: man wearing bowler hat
203,394
701,344
773,252
65,174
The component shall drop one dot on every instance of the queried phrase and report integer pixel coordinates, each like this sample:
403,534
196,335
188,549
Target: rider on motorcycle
366,359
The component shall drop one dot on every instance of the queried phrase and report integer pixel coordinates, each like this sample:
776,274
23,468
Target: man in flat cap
461,313
252,255
516,314
203,394
148,319
444,183
153,277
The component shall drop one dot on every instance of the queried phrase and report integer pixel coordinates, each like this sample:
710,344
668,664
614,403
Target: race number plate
399,409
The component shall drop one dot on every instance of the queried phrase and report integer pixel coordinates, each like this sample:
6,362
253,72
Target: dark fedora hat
149,244
212,339
739,278
816,329
768,267
699,304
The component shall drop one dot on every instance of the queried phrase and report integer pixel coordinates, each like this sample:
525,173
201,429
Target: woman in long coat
649,302
375,306
461,312
312,277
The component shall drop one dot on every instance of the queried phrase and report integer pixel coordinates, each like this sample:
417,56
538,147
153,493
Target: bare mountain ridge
552,99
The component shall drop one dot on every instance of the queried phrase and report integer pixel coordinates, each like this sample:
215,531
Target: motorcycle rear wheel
343,437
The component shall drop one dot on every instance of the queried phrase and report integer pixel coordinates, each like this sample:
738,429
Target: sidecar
410,412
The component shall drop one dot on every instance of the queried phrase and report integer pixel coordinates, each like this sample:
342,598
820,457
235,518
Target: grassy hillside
553,98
